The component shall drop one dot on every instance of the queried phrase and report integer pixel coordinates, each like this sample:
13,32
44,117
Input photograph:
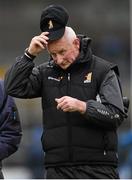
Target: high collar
85,49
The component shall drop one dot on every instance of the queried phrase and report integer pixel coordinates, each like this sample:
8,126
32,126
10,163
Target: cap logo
50,23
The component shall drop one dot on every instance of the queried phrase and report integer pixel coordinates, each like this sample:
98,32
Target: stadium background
107,22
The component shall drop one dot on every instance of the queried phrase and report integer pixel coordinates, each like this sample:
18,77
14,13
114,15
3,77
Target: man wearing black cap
81,100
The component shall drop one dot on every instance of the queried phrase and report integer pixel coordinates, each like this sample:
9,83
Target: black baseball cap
53,19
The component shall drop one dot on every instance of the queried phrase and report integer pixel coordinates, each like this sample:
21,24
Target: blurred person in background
10,127
35,157
81,100
125,152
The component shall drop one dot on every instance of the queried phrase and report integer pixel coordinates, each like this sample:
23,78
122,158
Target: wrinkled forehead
58,44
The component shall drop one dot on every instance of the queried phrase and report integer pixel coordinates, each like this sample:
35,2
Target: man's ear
76,42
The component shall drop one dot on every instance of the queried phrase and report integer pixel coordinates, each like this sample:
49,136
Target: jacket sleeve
10,129
108,110
22,80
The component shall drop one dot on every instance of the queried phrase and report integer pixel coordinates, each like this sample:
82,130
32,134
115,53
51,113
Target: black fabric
54,19
3,97
1,175
82,172
69,138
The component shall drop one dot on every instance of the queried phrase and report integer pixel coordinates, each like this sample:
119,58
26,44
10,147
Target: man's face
64,53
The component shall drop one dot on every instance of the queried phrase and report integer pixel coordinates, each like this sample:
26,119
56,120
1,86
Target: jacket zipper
69,77
68,121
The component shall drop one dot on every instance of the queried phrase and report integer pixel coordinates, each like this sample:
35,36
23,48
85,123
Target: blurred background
107,22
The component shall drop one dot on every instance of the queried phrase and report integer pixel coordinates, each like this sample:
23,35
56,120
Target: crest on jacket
88,78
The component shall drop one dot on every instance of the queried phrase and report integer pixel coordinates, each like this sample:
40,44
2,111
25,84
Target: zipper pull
104,152
69,77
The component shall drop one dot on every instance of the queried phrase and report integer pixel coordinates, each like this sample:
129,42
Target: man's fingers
58,100
61,105
44,33
64,103
43,40
39,44
44,37
40,41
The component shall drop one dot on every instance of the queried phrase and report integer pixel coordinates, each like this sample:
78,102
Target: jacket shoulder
104,65
40,68
101,67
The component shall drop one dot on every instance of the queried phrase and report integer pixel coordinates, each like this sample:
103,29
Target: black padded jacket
71,138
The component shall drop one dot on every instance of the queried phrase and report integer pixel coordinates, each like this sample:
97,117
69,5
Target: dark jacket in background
71,138
10,127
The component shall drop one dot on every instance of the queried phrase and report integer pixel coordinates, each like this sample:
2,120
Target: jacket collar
85,49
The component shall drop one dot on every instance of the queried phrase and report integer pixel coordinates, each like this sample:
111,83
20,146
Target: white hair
69,34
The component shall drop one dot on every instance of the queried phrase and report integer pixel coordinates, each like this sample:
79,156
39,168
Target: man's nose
59,59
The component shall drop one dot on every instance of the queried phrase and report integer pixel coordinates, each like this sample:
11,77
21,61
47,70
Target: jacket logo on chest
55,79
88,78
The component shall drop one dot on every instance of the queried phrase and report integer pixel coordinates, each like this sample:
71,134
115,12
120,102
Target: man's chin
65,66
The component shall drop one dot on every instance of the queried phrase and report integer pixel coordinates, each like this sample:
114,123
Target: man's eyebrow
57,51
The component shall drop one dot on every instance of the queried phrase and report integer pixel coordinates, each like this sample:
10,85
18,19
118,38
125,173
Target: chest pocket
84,85
54,87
